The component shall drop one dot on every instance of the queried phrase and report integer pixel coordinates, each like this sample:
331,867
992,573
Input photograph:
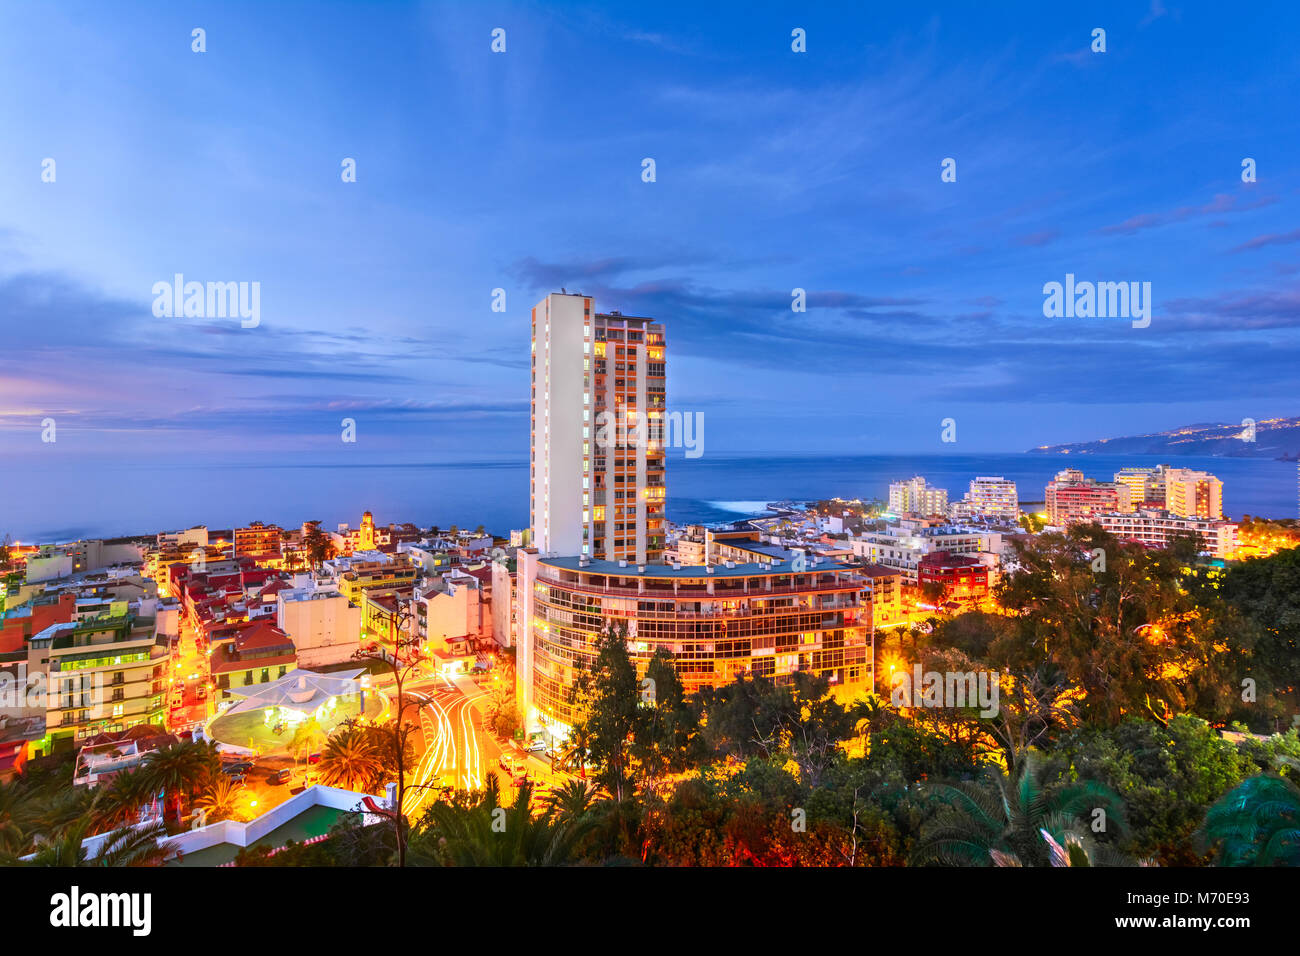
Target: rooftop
696,572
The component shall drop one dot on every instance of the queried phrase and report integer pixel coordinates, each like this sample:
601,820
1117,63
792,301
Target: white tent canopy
299,690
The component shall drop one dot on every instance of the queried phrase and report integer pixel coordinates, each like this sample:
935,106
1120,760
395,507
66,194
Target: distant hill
1274,438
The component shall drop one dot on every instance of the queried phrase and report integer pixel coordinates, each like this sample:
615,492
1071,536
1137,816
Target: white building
451,606
989,497
504,621
1154,528
914,497
324,625
596,486
902,546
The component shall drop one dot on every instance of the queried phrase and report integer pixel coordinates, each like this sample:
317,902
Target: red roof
261,634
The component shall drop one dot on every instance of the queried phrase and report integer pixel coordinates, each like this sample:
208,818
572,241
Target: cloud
1269,239
1221,203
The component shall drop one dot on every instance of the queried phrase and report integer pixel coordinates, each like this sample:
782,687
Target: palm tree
573,800
126,846
573,756
307,738
476,829
119,801
17,814
1000,819
350,759
1072,845
180,770
1257,823
220,798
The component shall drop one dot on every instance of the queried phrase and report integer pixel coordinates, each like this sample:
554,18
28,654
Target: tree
350,759
574,752
609,695
220,798
1128,634
118,802
1267,593
1000,818
572,800
317,544
127,846
476,829
180,770
16,816
1257,823
801,719
666,735
1167,774
403,660
308,737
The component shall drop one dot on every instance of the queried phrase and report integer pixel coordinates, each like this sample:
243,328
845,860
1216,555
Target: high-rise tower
597,468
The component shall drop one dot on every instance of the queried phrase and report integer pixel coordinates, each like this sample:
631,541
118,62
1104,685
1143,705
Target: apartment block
323,624
598,402
989,497
1193,494
103,676
914,497
1154,528
902,546
1071,498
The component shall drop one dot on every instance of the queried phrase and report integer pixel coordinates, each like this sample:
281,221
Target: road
454,743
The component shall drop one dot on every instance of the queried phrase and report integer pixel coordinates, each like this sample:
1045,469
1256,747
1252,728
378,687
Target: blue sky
522,170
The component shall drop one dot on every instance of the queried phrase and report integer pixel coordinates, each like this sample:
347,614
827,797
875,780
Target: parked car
240,768
314,758
280,777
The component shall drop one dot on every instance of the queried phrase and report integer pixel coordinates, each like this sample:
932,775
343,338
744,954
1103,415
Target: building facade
915,497
766,618
990,497
1193,494
103,676
323,624
1154,528
597,463
902,546
1071,498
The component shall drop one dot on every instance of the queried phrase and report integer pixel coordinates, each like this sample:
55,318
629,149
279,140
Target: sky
522,170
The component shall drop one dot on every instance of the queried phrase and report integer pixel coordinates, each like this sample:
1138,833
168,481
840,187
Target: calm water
64,502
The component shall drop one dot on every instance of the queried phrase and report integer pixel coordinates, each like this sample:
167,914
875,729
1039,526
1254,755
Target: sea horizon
53,503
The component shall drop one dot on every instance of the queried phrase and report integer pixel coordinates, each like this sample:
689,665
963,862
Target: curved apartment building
770,618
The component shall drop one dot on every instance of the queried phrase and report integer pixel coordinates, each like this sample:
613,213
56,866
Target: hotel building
990,497
1193,494
1153,528
1146,485
770,617
913,497
597,465
1071,498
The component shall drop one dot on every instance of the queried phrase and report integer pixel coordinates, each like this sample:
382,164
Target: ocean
61,502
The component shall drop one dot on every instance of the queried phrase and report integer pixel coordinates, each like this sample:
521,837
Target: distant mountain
1274,438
